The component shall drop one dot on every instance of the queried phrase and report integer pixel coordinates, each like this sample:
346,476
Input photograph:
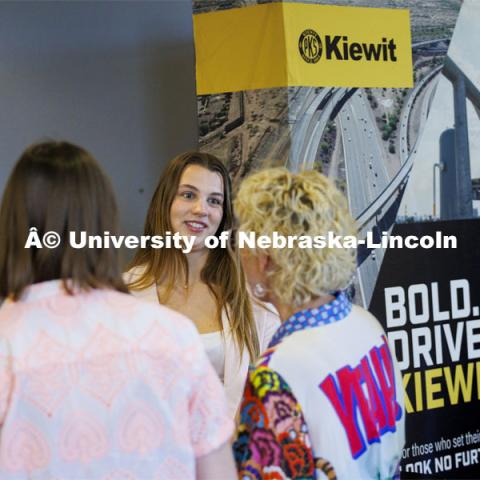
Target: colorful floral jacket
325,400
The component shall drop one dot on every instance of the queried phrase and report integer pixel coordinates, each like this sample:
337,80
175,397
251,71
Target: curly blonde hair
306,203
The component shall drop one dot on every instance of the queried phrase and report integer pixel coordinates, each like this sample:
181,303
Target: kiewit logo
339,47
310,46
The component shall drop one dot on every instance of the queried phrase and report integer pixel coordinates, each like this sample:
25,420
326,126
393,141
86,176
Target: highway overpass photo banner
312,86
293,44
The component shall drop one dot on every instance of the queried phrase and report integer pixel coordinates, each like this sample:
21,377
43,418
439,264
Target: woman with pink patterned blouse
94,383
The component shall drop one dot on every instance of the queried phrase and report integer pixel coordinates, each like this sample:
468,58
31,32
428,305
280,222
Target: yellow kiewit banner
291,44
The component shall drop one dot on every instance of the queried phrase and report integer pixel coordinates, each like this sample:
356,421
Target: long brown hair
59,187
222,272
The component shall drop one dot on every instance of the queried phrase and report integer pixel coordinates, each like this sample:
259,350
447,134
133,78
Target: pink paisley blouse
101,385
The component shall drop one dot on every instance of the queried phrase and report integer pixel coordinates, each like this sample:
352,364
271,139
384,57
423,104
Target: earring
259,290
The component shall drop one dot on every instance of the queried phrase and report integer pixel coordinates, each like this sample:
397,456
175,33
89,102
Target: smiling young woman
193,198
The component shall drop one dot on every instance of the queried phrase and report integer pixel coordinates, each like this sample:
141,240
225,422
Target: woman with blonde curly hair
326,395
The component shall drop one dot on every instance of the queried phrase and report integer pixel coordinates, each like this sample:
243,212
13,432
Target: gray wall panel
115,77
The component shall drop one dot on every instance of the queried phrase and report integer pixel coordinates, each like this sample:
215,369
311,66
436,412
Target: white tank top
215,348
